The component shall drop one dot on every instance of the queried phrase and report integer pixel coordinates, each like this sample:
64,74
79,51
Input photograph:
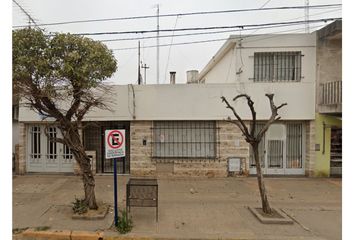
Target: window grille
184,139
294,145
277,66
35,142
52,145
275,154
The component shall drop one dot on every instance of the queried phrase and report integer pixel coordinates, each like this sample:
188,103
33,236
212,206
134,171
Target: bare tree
254,138
61,78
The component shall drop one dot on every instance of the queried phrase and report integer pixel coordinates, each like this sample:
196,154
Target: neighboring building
283,64
329,100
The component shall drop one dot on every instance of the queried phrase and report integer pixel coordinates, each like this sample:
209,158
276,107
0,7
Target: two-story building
290,59
180,129
329,100
283,64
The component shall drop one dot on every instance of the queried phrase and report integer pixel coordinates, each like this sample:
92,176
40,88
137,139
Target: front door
45,155
281,150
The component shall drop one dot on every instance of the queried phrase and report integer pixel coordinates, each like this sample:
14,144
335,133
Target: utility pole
139,75
145,67
307,15
158,47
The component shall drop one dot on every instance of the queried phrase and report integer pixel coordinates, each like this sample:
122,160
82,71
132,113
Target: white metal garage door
45,155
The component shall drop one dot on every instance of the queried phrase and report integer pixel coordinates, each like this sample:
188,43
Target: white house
180,129
280,64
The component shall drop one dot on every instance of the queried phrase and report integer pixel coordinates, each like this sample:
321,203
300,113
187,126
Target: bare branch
52,139
243,127
274,117
253,112
237,123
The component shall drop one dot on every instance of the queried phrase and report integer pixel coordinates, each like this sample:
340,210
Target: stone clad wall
140,154
22,149
231,144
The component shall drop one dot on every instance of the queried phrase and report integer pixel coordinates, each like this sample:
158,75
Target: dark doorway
94,140
336,152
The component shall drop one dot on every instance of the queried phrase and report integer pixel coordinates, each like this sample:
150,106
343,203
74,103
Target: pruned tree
254,138
61,77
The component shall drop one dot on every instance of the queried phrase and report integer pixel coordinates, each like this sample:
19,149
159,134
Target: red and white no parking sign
115,143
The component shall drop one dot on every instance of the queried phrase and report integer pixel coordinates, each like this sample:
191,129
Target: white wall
200,102
241,57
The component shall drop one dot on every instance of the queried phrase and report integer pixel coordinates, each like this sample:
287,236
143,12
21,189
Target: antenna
307,14
145,67
139,75
157,46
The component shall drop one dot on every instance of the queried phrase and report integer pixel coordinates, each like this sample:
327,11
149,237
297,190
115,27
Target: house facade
329,100
170,129
277,63
180,129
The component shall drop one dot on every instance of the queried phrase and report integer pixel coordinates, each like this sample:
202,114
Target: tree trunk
83,160
262,190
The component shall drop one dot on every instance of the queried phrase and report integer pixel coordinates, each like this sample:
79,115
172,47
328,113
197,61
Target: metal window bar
294,145
275,153
52,145
94,140
184,139
277,66
35,142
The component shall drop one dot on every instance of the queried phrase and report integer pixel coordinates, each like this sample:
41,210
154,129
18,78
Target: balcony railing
331,93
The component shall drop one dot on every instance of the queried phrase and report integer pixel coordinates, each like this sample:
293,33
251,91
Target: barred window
277,66
182,139
35,142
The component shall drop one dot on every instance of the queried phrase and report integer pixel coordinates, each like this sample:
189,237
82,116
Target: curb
31,234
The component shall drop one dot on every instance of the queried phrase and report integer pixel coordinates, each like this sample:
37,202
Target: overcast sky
175,58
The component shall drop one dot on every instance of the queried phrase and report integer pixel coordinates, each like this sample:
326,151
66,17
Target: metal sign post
115,148
115,194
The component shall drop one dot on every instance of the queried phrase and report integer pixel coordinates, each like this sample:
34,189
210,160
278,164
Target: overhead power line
214,40
207,28
26,13
184,14
205,33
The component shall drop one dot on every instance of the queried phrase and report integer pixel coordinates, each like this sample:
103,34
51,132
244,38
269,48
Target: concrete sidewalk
189,208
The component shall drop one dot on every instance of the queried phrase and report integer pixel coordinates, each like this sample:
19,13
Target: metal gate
45,155
94,141
281,150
